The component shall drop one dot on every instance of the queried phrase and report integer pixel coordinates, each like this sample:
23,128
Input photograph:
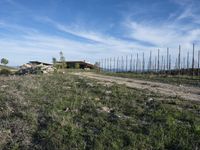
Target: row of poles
159,63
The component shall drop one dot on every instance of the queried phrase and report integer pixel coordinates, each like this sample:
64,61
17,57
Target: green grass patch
62,111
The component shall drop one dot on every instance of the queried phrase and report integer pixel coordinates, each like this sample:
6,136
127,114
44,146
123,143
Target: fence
154,63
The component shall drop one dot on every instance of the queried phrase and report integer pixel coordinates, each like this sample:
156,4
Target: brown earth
184,92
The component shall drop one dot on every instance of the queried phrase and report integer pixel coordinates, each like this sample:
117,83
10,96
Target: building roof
39,62
80,62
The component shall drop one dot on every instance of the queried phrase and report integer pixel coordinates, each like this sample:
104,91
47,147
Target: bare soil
184,92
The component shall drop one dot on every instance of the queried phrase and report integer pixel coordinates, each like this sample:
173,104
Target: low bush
5,72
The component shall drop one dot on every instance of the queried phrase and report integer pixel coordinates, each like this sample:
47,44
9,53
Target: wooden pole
155,64
114,67
198,62
179,59
117,64
167,58
170,62
108,64
126,63
150,61
111,65
122,63
188,62
131,63
137,63
143,63
193,60
158,60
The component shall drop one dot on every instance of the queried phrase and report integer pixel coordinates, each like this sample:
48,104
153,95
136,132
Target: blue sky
94,29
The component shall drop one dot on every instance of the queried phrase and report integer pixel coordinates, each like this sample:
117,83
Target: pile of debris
35,69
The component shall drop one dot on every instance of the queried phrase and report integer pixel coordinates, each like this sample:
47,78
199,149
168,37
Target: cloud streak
136,35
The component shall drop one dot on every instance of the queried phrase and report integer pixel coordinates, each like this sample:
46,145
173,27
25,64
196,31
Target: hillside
65,111
7,67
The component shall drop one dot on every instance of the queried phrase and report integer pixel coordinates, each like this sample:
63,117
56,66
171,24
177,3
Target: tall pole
179,59
131,63
170,61
188,62
105,65
126,63
150,61
143,63
167,58
193,60
198,61
137,63
162,63
122,63
155,65
114,68
108,64
158,59
117,64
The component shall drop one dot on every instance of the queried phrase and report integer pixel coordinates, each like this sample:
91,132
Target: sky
95,29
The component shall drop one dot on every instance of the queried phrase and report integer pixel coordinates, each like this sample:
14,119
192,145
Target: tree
54,60
62,60
4,61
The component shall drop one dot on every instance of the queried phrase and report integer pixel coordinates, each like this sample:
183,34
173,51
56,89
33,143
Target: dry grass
69,112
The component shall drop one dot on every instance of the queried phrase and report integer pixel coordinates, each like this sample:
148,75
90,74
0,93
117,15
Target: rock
150,100
97,99
90,84
4,86
67,87
105,109
34,69
66,109
108,92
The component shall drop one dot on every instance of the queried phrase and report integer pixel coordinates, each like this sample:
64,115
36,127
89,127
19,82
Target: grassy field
173,79
63,111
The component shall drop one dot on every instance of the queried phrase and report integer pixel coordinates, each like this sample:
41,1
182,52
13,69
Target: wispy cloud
30,43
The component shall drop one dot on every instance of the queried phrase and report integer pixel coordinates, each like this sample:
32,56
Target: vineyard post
184,65
188,62
143,63
131,63
108,67
134,65
122,64
167,58
126,63
155,69
179,60
150,61
105,65
158,60
193,61
137,63
114,67
162,64
198,62
170,61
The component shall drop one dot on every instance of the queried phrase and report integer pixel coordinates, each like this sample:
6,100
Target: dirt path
187,93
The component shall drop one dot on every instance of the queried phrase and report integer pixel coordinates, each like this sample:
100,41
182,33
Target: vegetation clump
5,72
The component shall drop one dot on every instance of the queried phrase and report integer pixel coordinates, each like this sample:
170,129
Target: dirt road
187,93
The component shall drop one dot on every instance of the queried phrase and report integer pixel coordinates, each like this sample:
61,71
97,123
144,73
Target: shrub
5,72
